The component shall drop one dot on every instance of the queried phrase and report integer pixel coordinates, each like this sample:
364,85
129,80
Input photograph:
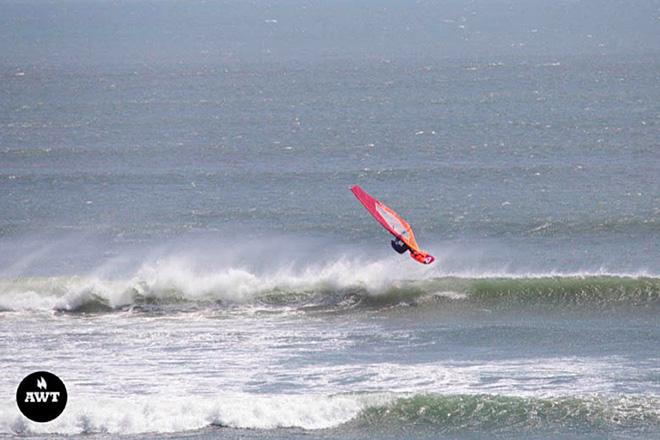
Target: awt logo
41,396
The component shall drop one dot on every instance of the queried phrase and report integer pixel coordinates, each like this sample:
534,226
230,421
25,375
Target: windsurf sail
393,223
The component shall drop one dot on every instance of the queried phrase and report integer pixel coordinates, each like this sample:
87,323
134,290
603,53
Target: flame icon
41,383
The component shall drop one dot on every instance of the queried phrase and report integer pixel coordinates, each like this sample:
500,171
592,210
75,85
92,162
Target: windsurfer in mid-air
404,239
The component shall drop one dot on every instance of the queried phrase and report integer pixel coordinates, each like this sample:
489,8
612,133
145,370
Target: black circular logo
41,396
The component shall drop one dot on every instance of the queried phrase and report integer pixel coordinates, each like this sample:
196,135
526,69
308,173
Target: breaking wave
370,412
340,284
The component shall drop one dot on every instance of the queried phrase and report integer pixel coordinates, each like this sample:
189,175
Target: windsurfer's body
399,246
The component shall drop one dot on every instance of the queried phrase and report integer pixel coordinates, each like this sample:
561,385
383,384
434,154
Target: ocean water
178,242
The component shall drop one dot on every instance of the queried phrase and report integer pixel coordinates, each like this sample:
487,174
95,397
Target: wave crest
362,412
340,284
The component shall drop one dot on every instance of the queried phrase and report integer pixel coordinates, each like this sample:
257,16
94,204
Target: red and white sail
393,222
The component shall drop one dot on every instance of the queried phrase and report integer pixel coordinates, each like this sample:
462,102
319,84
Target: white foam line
164,413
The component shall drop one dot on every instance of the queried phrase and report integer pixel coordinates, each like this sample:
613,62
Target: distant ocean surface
178,242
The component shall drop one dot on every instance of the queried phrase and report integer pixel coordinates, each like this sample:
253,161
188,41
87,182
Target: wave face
361,412
492,413
341,284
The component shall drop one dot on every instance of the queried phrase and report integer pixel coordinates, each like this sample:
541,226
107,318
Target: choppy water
179,244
